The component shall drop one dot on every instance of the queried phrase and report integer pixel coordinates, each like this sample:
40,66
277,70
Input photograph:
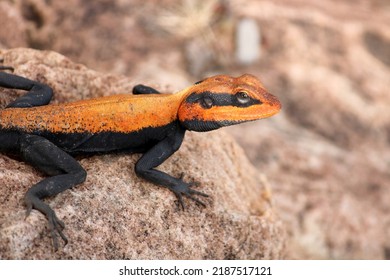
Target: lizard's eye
242,97
206,102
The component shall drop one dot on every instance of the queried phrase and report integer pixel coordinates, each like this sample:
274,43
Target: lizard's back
96,124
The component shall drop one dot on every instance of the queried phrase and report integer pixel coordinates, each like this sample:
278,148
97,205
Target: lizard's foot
184,189
56,226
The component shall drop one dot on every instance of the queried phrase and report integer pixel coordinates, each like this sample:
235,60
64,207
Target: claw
198,193
195,199
56,226
181,202
184,189
29,209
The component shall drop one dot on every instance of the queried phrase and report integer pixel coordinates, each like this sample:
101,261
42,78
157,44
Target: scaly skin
148,122
129,113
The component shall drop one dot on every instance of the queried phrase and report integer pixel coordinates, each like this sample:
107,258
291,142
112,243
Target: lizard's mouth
233,113
217,117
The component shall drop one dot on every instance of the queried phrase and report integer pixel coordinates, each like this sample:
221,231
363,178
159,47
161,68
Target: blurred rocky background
326,156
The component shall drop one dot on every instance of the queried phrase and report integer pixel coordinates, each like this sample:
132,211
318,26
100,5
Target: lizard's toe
56,226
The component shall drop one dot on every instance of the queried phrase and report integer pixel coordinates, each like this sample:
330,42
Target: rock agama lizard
47,136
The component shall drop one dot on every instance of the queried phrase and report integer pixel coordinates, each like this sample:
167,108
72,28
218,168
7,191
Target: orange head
223,100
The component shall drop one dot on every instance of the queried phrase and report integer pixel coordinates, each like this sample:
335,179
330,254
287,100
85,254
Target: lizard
48,136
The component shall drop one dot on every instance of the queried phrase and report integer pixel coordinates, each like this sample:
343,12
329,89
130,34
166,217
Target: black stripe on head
208,99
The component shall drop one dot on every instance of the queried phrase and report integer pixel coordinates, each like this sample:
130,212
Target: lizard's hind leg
65,173
38,94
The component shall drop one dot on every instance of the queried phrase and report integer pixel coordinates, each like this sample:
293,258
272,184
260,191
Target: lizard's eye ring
242,97
206,102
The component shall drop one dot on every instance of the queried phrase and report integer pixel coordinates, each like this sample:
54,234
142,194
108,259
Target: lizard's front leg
145,167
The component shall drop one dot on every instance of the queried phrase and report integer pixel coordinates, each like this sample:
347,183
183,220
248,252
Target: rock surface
328,153
114,214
